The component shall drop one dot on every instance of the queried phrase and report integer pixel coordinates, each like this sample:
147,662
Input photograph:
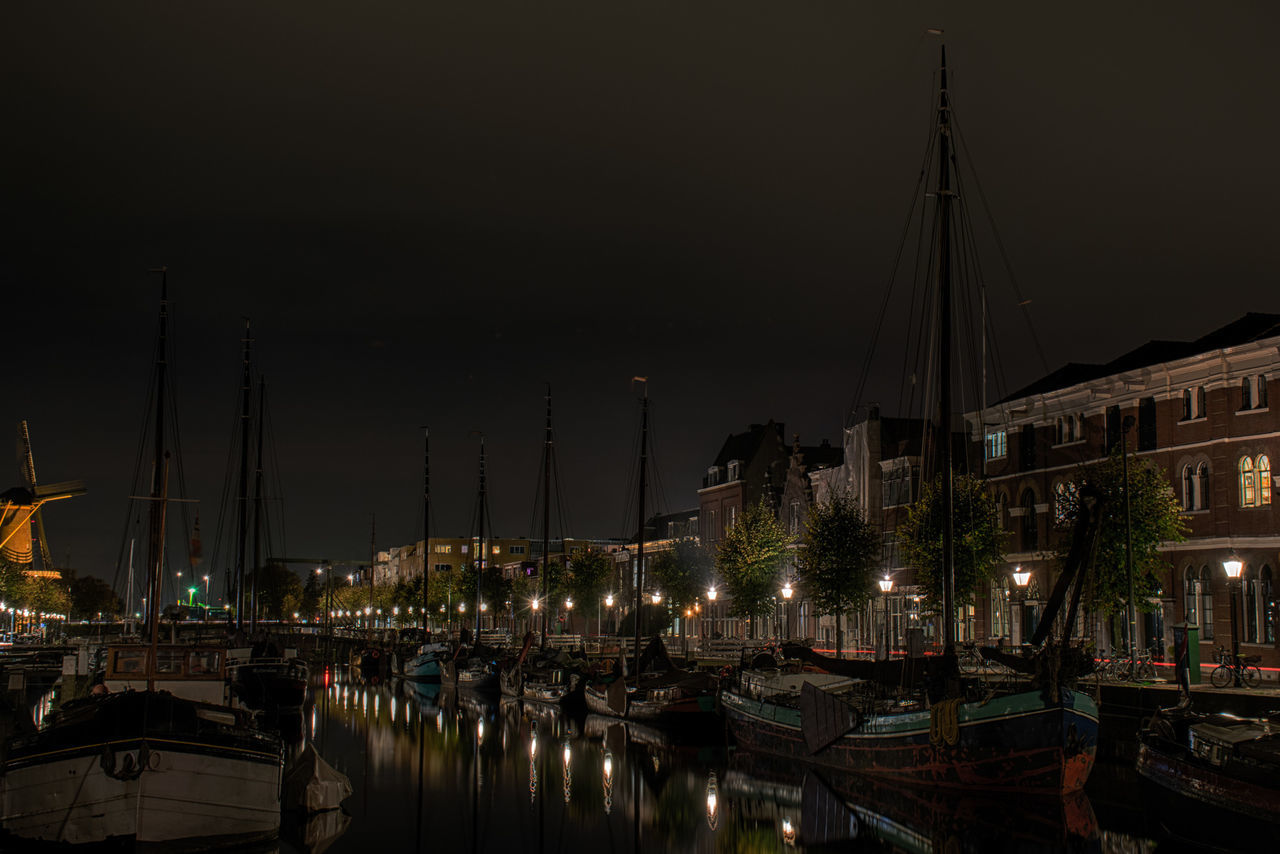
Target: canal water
437,770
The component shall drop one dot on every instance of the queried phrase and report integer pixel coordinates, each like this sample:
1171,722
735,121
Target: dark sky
429,209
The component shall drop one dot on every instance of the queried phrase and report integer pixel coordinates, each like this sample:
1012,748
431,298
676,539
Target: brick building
749,467
1201,412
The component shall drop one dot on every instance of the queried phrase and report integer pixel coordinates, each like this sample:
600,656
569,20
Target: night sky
429,209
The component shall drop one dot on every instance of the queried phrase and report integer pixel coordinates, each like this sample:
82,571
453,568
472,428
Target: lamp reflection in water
533,763
788,831
607,778
713,801
480,731
568,772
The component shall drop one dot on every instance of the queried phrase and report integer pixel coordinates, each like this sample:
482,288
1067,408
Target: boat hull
186,792
1020,742
1184,776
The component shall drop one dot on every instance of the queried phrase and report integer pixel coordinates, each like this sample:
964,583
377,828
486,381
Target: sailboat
159,758
427,663
1040,738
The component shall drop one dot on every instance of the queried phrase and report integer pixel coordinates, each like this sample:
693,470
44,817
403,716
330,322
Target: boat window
205,661
129,661
169,660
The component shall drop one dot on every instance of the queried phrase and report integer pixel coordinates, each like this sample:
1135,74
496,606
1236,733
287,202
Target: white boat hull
186,792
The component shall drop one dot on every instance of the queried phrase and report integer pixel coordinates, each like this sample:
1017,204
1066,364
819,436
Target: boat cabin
195,673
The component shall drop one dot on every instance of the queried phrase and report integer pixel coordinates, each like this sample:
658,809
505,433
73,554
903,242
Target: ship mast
944,361
242,504
159,470
644,460
546,519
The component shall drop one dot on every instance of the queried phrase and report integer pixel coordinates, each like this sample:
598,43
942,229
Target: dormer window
735,467
713,476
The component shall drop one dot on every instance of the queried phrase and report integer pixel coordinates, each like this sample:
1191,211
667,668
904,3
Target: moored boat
1223,762
1021,742
144,767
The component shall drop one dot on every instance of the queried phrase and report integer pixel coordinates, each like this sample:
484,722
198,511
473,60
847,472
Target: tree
749,558
978,539
1156,517
683,571
91,595
590,575
840,557
279,591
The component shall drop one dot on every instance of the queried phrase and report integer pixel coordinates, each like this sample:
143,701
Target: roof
1254,326
743,446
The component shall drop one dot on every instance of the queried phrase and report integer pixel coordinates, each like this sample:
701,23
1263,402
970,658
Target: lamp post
1128,549
1232,565
787,593
608,603
206,598
1021,578
711,604
568,614
886,585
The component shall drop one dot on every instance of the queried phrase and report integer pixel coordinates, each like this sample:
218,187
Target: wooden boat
144,767
1226,763
270,684
1022,742
427,664
663,693
154,756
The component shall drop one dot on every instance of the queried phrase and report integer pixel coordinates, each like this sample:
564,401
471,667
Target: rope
944,723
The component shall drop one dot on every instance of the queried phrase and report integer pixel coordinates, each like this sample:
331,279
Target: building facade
1200,412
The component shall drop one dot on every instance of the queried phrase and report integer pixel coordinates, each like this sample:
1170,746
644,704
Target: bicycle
1121,667
1243,671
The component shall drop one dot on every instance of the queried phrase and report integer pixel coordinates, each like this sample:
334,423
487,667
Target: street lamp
711,604
568,607
206,598
656,597
886,585
787,593
1232,565
608,603
1021,578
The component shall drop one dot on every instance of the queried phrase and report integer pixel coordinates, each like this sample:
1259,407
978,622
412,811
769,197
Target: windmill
21,527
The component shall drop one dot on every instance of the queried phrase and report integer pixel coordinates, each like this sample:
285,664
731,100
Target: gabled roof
1254,326
743,446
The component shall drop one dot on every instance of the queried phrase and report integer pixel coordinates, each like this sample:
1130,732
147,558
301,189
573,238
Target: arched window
1202,486
1248,486
1249,593
1206,604
1267,593
1188,488
1190,597
1030,531
1002,509
1264,480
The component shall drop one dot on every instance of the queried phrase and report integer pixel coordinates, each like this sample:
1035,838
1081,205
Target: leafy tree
748,560
494,589
314,598
978,539
684,571
1155,518
840,558
91,595
279,590
590,575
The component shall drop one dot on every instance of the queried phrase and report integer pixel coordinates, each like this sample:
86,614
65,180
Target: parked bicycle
1121,667
1243,671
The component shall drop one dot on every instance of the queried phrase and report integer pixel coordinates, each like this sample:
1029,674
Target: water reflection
453,770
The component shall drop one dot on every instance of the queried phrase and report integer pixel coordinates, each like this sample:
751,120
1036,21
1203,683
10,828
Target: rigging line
660,492
561,515
222,535
632,464
1004,255
137,477
916,197
536,504
918,317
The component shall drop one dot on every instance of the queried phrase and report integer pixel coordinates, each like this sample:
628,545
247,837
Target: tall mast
155,546
481,552
546,519
257,510
373,561
242,503
944,360
155,553
159,507
644,464
426,519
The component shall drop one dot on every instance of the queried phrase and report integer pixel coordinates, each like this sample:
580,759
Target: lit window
997,445
1064,500
1264,480
1248,483
497,550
